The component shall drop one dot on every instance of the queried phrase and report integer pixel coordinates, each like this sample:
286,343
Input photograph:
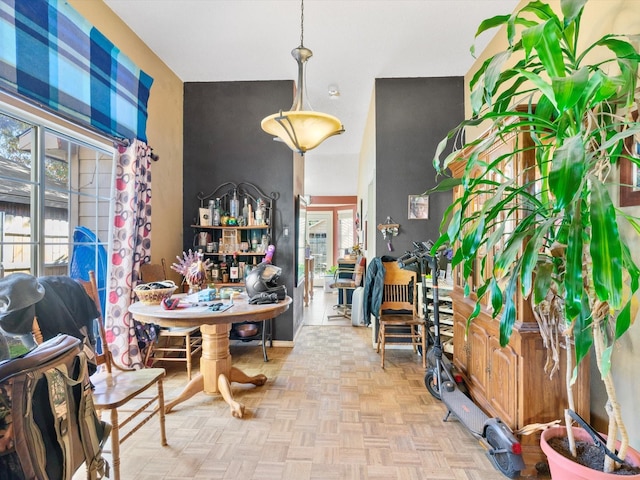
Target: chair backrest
153,272
399,292
91,287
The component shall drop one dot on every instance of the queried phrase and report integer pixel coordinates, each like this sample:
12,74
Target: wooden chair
399,317
347,278
177,344
115,386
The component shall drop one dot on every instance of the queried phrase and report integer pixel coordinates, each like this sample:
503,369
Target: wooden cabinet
248,239
510,382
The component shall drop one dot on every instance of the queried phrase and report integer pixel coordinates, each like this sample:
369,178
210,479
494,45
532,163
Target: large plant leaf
496,296
508,317
472,240
530,257
582,333
572,9
541,84
631,268
623,322
542,281
549,49
605,249
574,261
540,9
493,73
568,91
492,22
567,171
628,59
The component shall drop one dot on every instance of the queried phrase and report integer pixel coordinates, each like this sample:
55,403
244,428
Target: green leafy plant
331,270
554,229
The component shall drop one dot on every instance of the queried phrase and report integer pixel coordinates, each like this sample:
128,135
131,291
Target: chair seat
343,283
401,319
175,344
178,331
123,386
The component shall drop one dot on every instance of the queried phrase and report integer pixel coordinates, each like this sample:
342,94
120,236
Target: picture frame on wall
418,207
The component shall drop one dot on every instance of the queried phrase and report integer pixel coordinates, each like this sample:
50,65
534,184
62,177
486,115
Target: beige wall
164,129
600,17
366,178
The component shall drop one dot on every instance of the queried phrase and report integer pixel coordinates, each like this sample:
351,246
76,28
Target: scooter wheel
502,461
431,382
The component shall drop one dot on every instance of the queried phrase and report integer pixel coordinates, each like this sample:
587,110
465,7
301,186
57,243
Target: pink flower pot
563,468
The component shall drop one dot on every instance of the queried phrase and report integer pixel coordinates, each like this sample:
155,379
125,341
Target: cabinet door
477,365
461,348
502,391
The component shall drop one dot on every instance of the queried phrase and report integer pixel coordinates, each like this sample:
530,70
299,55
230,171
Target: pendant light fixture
301,129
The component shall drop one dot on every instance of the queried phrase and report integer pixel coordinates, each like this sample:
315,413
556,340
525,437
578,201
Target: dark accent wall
412,116
223,142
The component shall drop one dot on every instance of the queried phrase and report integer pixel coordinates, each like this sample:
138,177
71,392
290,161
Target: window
52,181
345,231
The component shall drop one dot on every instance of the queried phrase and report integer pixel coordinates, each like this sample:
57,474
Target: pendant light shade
301,129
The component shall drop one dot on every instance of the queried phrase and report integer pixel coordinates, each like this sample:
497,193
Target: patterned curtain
131,247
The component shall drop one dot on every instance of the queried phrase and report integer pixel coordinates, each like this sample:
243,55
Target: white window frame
43,123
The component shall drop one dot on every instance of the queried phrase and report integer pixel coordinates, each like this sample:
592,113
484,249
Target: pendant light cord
301,23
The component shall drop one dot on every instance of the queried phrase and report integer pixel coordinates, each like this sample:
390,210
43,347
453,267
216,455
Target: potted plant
553,230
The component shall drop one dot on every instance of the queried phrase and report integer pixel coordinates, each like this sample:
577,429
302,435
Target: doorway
320,227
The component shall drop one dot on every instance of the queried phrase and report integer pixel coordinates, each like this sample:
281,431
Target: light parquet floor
327,412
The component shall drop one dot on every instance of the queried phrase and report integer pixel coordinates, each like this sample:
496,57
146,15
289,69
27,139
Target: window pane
44,199
17,189
345,232
77,193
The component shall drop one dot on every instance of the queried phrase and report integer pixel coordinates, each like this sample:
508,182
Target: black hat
18,292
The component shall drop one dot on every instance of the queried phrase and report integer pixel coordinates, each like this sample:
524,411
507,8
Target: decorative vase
563,468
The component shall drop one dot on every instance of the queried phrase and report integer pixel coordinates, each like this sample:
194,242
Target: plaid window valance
51,55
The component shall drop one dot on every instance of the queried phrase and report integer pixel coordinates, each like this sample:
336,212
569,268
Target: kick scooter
502,447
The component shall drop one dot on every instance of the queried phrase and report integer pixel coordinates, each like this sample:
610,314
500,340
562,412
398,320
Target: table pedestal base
216,372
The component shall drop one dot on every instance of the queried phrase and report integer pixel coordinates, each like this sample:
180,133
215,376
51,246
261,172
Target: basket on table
153,293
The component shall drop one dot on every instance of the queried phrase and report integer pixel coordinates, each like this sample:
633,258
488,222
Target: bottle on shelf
215,216
260,212
215,273
245,211
255,235
234,205
234,270
212,207
224,271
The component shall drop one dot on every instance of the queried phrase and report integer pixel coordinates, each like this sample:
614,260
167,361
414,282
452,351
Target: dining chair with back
175,344
115,386
400,323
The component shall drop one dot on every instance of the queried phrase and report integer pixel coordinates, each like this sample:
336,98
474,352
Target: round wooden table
216,371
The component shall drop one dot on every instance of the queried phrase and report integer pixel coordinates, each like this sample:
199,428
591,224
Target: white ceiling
353,43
